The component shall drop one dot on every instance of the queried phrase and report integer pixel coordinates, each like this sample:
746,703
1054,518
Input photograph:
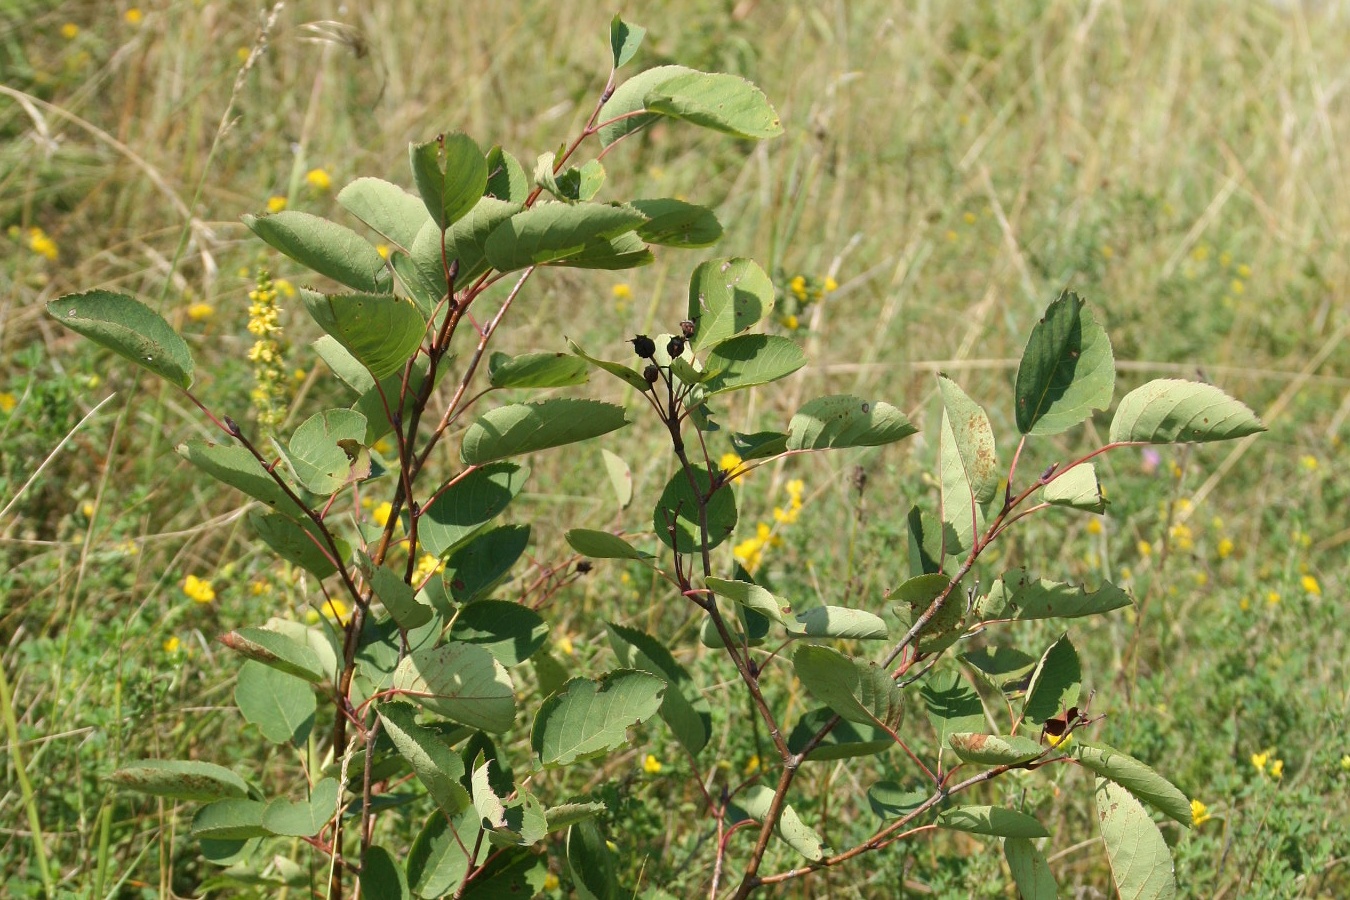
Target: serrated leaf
676,517
304,818
520,428
842,420
602,545
918,593
994,749
1141,864
622,251
316,456
437,766
1055,684
859,691
588,718
565,815
298,542
1030,871
506,177
467,239
381,331
760,445
233,819
627,98
1067,369
439,857
1173,411
460,681
620,477
627,374
991,820
451,175
624,40
748,360
240,469
756,800
1136,777
1018,596
536,370
953,707
459,511
974,439
674,223
346,367
276,650
845,741
725,103
130,329
326,247
480,564
281,705
548,232
180,779
727,296
1077,488
752,596
386,208
838,622
683,707
963,517
510,632
591,863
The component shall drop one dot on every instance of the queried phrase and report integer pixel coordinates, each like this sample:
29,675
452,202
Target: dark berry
675,347
651,373
644,346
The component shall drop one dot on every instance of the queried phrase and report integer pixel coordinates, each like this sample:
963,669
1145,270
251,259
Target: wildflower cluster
199,589
36,240
750,552
802,291
267,353
1199,813
1263,763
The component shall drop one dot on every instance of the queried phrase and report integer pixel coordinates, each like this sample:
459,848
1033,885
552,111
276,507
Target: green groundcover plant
453,748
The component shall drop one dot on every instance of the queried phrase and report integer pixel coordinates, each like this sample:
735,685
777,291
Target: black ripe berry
651,373
675,347
644,346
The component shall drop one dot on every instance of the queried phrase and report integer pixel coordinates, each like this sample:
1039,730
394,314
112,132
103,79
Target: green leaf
536,370
304,818
1030,871
180,779
382,876
589,718
924,543
326,247
974,439
683,707
629,375
622,251
282,653
1018,596
727,296
460,681
510,632
674,223
233,819
520,428
628,98
838,622
506,177
479,565
759,445
509,875
756,801
552,231
842,420
602,545
993,749
386,208
397,595
1141,864
467,241
451,175
130,329
579,183
281,705
1077,488
624,40
1135,777
437,766
620,477
297,542
725,103
991,820
750,359
565,815
591,863
962,515
845,741
891,801
752,596
317,457
1172,411
859,691
1055,684
676,520
1005,666
239,468
1067,369
382,332
919,593
475,499
953,706
346,367
439,857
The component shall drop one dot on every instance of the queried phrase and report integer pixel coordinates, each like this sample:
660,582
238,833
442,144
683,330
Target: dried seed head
643,346
651,373
675,347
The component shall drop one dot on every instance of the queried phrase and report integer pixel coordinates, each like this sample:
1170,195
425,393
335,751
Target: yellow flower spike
651,765
319,180
1311,586
1277,769
70,31
798,287
200,312
1259,761
198,589
276,203
1199,813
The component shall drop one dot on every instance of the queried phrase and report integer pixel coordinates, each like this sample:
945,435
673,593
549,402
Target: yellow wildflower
133,16
1200,253
1273,598
198,589
258,587
752,764
200,312
564,646
1201,579
276,203
1277,769
791,323
335,608
951,236
1107,252
384,446
318,179
381,513
70,31
651,765
1225,548
1182,537
1225,259
172,645
622,292
41,244
7,403
284,287
830,284
1259,761
87,509
1237,287
1345,763
242,54
969,218
1311,586
1199,813
729,462
298,375
750,552
1308,461
1244,604
1094,526
550,882
798,287
427,566
1144,548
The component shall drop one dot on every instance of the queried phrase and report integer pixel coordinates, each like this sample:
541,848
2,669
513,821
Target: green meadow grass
952,166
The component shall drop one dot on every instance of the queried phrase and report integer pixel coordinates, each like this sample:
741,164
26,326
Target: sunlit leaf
1141,864
589,718
326,247
1067,369
521,428
130,329
460,681
451,175
1172,411
725,103
842,420
991,820
727,296
386,208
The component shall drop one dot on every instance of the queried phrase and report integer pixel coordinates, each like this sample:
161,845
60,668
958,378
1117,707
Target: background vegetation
950,166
